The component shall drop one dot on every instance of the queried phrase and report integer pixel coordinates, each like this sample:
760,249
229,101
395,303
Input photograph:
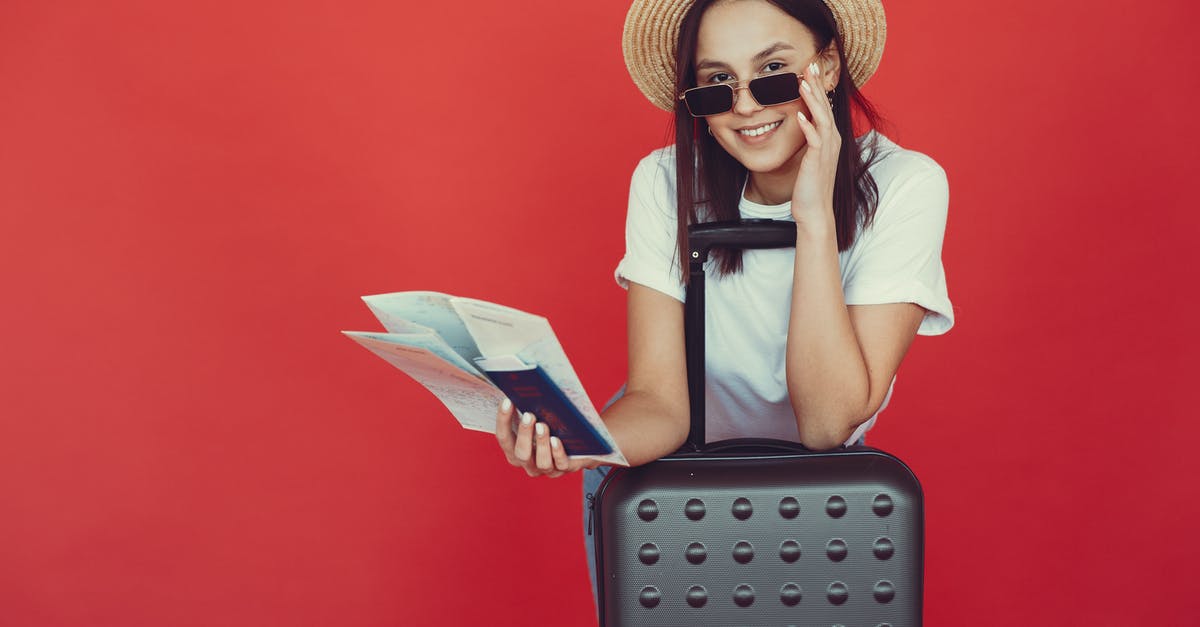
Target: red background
194,195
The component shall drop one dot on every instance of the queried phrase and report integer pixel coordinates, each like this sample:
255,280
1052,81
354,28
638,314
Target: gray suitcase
756,532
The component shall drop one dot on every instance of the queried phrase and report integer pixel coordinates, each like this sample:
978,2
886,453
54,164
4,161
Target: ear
831,66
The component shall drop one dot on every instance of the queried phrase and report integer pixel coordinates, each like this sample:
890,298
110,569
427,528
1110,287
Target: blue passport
530,390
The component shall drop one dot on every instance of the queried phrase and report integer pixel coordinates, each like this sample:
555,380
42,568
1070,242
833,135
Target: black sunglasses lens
775,89
709,100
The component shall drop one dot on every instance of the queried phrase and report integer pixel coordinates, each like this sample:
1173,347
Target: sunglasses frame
739,87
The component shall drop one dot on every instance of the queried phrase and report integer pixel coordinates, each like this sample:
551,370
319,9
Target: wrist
815,229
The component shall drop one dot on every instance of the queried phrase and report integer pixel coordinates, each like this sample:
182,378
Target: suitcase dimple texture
763,541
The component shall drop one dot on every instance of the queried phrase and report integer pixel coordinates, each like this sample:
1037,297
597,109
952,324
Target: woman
802,344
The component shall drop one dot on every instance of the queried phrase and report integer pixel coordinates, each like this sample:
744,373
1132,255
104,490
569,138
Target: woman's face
743,39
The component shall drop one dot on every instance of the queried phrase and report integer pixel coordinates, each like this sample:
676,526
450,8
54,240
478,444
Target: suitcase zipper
591,499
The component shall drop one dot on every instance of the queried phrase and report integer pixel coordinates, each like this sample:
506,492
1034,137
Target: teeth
755,132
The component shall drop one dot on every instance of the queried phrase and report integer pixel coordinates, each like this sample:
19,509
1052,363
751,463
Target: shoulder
894,167
653,181
659,164
910,183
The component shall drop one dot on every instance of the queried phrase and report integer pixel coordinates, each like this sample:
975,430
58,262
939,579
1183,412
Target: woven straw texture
652,29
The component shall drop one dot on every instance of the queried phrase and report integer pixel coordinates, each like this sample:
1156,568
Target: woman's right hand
530,445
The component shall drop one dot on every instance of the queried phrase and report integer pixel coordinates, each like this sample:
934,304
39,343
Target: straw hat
652,32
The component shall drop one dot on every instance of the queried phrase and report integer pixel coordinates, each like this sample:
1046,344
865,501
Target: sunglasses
773,89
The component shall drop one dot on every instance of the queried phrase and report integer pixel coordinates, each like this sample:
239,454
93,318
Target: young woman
802,344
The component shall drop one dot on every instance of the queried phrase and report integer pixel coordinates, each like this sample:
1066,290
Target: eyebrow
705,64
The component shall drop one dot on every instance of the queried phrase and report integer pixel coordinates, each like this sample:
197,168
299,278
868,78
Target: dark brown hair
709,180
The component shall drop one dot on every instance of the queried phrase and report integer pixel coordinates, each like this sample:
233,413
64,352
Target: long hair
709,181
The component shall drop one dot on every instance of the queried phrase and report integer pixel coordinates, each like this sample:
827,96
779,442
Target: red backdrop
194,195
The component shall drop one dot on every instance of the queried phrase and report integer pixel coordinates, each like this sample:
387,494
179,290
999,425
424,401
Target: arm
840,360
651,419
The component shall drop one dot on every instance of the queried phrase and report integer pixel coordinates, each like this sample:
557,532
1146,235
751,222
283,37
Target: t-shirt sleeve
650,239
898,258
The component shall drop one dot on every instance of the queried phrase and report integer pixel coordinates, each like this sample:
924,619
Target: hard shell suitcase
756,532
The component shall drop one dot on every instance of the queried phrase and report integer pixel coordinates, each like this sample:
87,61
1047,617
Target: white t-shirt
898,259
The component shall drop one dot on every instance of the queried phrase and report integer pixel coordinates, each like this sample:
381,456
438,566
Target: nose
744,104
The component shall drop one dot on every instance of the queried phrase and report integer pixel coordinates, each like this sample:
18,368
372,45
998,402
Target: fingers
814,94
812,90
542,458
547,450
811,127
811,135
560,464
820,127
561,461
504,429
523,449
532,447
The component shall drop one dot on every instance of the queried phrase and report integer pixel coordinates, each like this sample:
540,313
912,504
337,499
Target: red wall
193,196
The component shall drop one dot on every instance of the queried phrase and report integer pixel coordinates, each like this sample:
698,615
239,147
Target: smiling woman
802,344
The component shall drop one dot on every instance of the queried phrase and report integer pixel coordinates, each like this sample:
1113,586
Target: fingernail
801,115
554,442
812,67
526,418
541,429
804,86
506,405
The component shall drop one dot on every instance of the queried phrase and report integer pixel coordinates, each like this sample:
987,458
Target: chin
762,165
766,163
770,159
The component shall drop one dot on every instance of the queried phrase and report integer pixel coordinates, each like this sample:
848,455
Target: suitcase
756,532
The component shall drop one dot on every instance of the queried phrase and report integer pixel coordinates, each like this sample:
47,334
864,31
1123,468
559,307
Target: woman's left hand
812,197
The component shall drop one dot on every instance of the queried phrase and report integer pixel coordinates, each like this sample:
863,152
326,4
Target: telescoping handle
702,238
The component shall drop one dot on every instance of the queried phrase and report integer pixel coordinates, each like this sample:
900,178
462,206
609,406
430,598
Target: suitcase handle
744,234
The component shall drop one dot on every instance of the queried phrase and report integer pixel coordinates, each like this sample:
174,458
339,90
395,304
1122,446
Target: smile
760,130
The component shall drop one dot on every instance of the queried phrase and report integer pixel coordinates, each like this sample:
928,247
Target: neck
775,187
768,189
